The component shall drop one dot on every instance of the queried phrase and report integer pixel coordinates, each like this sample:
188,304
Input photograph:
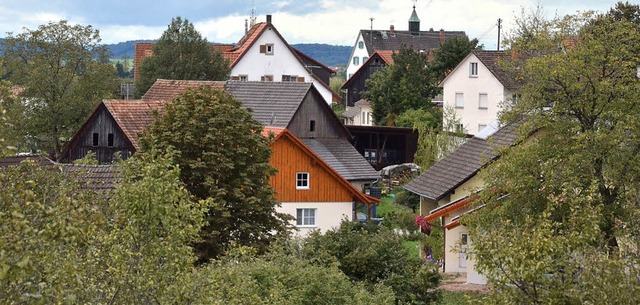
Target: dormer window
473,69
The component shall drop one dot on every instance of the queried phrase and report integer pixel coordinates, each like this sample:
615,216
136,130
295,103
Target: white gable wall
356,51
282,62
460,81
328,214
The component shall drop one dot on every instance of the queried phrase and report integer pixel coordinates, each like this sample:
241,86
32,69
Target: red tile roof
133,116
386,55
164,89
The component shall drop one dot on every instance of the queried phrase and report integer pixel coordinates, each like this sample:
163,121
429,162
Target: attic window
110,140
361,45
290,78
243,78
266,78
267,49
95,139
312,125
473,69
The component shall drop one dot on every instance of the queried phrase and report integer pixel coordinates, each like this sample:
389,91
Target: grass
458,297
387,205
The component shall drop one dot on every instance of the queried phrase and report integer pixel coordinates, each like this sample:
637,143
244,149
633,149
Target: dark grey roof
343,158
491,60
462,164
101,179
273,103
393,40
351,112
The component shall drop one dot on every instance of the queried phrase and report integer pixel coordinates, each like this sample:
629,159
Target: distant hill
329,55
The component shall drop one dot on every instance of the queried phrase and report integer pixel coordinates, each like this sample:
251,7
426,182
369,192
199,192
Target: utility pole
499,27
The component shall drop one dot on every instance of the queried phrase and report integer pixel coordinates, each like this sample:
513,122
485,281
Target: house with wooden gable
370,41
356,83
447,190
299,107
309,188
478,88
263,54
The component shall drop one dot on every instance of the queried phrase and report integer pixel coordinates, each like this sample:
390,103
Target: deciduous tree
181,53
569,218
450,53
407,84
222,156
64,71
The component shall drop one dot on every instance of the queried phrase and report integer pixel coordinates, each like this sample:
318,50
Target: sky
334,22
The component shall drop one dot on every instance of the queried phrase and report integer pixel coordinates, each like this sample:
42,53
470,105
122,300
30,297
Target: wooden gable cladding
290,156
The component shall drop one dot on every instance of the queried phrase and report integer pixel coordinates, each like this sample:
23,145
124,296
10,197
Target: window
267,49
362,118
95,139
110,140
356,60
243,78
481,127
460,128
459,100
473,69
312,125
292,78
266,78
364,59
361,45
302,181
368,118
483,101
306,217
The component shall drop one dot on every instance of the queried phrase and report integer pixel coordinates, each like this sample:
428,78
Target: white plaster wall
468,187
452,244
473,277
356,52
365,110
283,62
460,81
328,214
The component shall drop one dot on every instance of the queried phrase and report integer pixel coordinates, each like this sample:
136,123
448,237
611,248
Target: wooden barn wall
357,84
311,109
102,124
290,159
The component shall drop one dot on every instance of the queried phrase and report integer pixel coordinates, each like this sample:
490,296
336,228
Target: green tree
569,220
407,84
450,53
64,72
375,255
181,53
222,156
434,144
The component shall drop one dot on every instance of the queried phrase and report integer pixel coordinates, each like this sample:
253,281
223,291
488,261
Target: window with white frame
269,50
356,60
483,101
362,118
459,100
364,59
473,69
302,181
243,78
306,217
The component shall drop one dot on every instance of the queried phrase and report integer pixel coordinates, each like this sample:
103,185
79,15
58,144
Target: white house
262,54
478,88
448,188
359,115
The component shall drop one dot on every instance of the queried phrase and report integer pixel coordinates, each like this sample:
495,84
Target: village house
262,54
356,83
308,188
478,89
114,125
369,41
448,188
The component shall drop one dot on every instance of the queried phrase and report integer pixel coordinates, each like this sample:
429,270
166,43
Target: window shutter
301,79
262,78
263,48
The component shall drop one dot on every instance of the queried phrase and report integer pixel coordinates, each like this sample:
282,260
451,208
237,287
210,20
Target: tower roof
414,16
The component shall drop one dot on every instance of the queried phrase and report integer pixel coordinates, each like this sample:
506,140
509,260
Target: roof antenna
252,19
371,32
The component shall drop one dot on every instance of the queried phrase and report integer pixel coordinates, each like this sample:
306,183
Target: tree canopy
568,223
223,156
181,53
406,84
450,53
64,72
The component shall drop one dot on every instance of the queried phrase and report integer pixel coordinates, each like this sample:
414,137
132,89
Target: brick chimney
392,30
441,36
514,54
269,19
